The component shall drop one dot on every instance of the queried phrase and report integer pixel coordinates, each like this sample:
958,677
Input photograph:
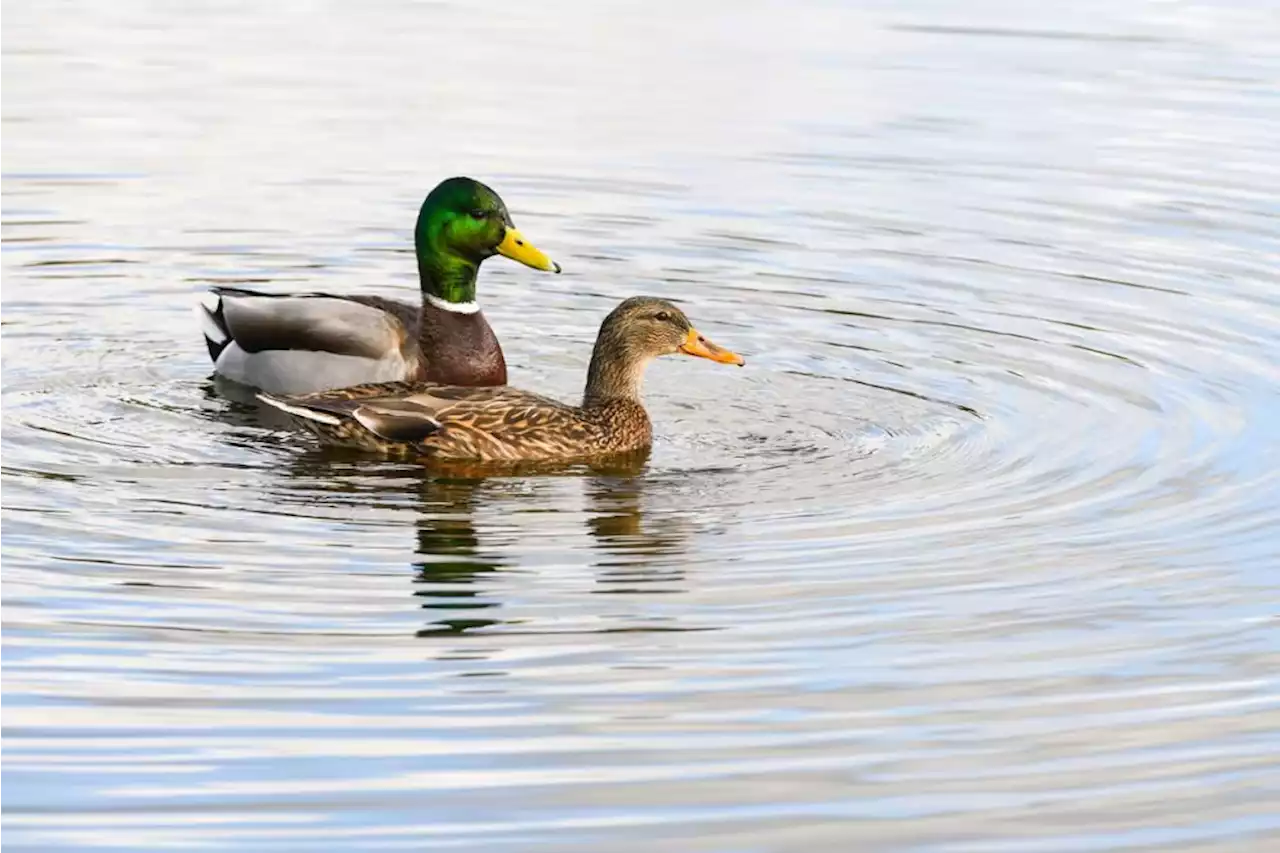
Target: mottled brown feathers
459,423
502,424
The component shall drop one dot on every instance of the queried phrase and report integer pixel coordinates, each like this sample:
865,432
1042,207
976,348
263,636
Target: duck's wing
396,420
500,423
474,406
407,412
391,418
302,343
314,322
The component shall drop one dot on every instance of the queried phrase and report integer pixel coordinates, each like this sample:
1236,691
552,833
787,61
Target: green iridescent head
461,223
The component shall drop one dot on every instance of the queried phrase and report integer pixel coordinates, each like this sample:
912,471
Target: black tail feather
213,323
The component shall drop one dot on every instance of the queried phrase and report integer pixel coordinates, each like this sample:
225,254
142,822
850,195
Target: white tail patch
453,307
207,312
300,411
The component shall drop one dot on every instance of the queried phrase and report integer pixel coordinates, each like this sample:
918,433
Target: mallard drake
455,423
302,343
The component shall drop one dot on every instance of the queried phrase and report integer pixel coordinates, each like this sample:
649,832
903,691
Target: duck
311,342
468,424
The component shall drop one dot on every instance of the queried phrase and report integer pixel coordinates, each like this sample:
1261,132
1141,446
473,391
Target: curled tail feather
214,324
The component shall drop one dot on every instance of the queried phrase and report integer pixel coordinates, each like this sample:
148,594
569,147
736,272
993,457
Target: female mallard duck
310,342
454,423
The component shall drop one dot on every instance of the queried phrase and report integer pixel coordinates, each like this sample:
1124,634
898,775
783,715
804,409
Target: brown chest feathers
458,349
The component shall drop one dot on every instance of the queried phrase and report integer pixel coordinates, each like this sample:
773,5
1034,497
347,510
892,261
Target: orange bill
696,344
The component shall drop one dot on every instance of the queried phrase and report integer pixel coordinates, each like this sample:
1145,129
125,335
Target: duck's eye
662,317
479,214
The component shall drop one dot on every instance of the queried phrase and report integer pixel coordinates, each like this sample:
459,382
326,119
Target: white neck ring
453,307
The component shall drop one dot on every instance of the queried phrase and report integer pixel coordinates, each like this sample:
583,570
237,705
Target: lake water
978,553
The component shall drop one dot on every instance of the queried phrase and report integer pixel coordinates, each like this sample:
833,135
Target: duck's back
512,425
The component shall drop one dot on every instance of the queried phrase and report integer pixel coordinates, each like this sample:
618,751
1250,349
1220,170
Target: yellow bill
696,344
517,248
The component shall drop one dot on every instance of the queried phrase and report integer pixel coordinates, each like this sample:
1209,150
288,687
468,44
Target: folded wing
299,344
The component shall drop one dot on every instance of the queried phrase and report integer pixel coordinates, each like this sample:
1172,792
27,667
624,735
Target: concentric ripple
976,553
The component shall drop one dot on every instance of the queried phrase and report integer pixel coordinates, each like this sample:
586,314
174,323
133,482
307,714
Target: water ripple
976,554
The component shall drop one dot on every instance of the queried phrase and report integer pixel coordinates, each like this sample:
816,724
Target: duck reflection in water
448,574
458,558
636,557
640,555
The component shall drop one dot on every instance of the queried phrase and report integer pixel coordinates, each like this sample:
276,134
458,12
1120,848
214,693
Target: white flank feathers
303,371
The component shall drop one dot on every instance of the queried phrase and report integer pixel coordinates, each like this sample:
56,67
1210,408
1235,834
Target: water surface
978,553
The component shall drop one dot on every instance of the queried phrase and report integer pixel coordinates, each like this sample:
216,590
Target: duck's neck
615,375
447,279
